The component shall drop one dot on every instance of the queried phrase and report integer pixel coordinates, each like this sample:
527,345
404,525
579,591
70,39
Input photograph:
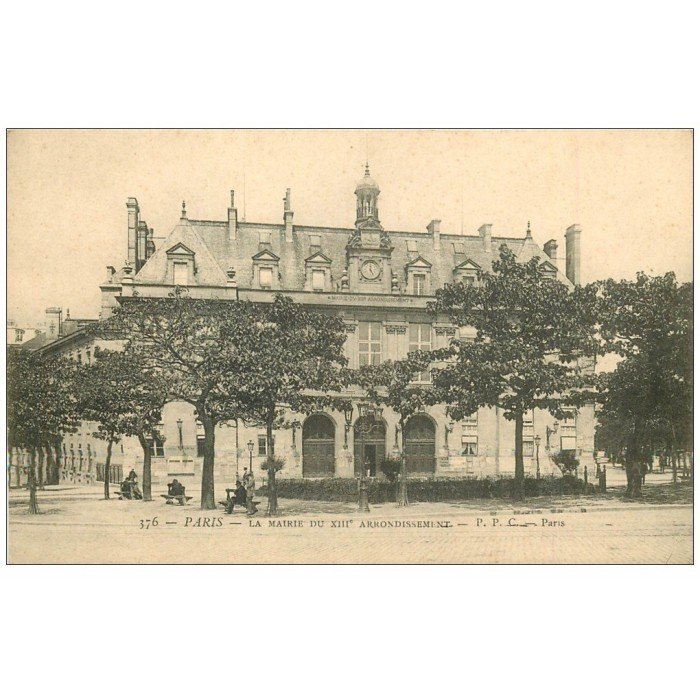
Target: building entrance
420,444
370,446
318,446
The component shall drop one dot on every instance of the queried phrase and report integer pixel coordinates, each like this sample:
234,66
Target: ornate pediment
468,265
179,249
318,257
419,262
549,268
266,256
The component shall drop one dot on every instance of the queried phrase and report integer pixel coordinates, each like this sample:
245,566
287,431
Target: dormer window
419,285
318,280
548,270
266,277
266,270
466,272
180,274
317,273
418,277
181,268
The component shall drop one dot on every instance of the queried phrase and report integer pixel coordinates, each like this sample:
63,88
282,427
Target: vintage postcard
348,346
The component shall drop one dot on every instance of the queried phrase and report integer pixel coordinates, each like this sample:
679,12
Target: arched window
318,446
420,444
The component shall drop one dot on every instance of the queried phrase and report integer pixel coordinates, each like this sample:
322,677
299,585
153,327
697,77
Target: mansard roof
215,252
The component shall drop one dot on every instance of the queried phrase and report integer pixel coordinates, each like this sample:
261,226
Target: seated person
126,487
236,497
175,488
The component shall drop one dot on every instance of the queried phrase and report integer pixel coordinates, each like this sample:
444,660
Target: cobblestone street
77,526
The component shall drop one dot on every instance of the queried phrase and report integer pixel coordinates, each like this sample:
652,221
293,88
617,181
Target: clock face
370,270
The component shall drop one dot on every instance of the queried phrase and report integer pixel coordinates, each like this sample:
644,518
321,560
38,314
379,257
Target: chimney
573,253
150,245
232,219
485,233
141,240
550,250
288,216
434,229
53,322
132,207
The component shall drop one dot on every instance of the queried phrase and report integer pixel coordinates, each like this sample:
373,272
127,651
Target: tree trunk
402,492
31,483
40,468
108,463
207,499
633,467
519,481
271,475
146,468
49,463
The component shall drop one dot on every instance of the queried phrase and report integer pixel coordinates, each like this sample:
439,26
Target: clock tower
369,247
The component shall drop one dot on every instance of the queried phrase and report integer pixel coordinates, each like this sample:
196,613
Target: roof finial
529,232
366,168
184,210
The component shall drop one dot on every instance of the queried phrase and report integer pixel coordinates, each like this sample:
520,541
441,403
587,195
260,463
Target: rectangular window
470,446
80,358
528,448
419,285
87,357
419,335
315,242
370,343
180,274
318,280
155,446
459,248
264,237
262,445
200,445
265,277
528,423
412,246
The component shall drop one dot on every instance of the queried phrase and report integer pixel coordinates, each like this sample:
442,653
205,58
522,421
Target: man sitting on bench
177,491
238,497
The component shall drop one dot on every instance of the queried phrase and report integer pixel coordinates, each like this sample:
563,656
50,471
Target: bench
175,500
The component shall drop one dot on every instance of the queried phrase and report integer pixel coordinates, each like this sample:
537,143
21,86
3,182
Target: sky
630,191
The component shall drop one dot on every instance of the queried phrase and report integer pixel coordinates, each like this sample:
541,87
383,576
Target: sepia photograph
350,346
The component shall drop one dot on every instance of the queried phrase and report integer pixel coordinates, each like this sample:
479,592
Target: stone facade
380,282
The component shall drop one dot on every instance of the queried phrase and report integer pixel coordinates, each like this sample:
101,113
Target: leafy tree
291,358
119,394
190,346
648,322
533,334
393,384
40,406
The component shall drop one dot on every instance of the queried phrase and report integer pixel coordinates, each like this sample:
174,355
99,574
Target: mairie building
380,282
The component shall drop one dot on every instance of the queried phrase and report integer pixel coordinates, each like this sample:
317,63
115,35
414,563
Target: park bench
175,500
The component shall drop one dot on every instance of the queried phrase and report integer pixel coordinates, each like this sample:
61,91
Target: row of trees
534,343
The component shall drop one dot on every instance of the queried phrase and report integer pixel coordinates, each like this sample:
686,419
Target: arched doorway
318,446
420,444
370,445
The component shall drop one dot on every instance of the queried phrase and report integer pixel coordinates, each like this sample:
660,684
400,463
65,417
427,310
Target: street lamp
550,432
251,445
348,422
537,454
372,415
179,434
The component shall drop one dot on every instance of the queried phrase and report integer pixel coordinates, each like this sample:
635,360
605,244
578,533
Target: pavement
76,525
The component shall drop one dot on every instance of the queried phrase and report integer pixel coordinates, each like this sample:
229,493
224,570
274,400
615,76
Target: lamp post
372,415
251,445
537,454
550,432
348,424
